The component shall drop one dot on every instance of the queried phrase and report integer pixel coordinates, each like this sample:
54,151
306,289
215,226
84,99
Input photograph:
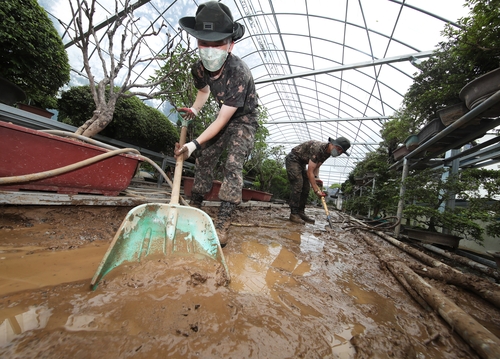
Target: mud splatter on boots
223,221
304,216
295,217
196,200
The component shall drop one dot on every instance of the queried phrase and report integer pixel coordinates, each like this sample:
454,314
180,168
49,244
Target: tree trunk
478,337
441,271
98,122
485,289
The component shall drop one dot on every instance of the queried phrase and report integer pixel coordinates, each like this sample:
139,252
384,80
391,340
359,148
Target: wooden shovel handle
176,186
325,207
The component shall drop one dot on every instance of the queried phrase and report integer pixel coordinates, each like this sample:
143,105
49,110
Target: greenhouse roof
322,68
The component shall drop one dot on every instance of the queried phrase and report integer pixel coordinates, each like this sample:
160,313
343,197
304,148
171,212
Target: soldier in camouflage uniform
231,83
311,154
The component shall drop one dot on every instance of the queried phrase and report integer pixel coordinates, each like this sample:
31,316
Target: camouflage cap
342,142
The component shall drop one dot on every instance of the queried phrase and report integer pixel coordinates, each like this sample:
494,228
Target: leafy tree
181,92
264,162
33,55
134,122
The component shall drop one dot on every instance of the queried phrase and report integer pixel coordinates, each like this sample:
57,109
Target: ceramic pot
423,236
429,130
400,152
36,110
450,114
480,89
10,94
411,142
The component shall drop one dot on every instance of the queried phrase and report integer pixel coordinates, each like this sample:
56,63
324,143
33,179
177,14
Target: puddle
15,324
295,291
36,267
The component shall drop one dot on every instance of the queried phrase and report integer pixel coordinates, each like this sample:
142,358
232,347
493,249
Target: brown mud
295,292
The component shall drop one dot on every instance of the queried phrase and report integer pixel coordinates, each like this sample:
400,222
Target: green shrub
133,121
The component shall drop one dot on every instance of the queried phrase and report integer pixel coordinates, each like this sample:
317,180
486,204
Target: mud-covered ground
295,292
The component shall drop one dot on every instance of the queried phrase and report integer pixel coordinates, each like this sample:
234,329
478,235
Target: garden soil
296,291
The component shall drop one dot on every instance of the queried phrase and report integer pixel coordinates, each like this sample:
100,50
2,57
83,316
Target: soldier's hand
187,113
320,193
185,150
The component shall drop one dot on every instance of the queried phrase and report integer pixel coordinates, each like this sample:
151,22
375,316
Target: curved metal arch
348,128
333,20
262,97
382,92
266,62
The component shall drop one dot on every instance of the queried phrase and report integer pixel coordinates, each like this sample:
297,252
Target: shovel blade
161,230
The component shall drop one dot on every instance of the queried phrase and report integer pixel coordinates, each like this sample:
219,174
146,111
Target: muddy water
295,292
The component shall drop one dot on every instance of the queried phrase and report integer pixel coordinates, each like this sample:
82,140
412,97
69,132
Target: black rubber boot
196,200
305,217
223,221
295,217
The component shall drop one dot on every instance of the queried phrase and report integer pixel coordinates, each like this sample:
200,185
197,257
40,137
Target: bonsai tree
119,59
33,55
470,51
381,199
427,193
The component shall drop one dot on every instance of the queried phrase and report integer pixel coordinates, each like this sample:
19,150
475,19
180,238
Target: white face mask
213,58
334,152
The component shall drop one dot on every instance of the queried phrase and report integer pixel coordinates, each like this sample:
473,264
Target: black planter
480,89
423,236
10,94
429,130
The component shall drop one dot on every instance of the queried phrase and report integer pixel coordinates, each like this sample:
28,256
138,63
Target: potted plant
427,194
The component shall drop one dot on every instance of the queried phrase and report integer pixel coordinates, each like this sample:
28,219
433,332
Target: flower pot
261,196
411,142
10,94
480,89
187,185
246,194
429,130
25,151
400,152
423,236
450,114
36,110
212,195
359,180
369,175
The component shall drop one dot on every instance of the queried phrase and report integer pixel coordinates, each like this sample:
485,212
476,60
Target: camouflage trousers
238,139
299,182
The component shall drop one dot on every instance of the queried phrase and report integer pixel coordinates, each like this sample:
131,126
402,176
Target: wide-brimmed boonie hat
213,22
342,142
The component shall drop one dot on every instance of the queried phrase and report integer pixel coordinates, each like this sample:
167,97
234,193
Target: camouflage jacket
315,151
234,87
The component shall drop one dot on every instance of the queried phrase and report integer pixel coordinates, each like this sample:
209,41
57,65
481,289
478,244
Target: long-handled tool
326,211
163,229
